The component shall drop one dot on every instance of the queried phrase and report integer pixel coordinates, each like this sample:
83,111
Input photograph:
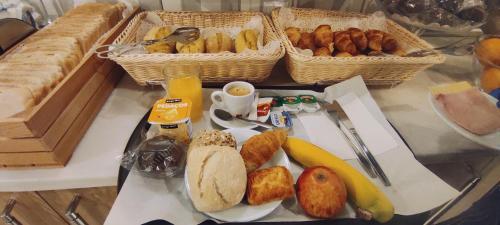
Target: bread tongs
183,35
365,157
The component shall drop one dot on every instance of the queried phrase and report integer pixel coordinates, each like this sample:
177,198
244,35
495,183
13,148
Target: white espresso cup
235,104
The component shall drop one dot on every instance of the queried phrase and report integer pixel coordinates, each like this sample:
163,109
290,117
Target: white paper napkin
324,133
369,129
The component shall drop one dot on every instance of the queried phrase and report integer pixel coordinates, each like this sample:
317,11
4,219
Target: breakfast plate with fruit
216,175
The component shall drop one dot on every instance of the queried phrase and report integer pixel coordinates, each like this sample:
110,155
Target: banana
371,202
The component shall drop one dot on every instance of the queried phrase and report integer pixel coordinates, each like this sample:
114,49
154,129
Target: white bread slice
14,100
37,87
40,57
50,77
63,44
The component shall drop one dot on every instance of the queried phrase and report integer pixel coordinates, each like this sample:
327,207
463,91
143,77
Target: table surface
96,160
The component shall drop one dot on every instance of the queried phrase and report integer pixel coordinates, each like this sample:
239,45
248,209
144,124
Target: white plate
244,212
229,124
491,140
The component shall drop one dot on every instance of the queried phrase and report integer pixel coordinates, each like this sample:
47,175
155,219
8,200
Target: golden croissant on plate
260,148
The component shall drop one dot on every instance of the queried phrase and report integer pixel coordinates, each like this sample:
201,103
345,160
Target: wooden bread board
63,150
55,132
42,116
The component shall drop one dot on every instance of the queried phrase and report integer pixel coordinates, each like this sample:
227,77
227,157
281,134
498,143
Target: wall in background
56,8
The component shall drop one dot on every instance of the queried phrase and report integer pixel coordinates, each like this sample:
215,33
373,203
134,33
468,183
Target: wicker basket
147,68
375,70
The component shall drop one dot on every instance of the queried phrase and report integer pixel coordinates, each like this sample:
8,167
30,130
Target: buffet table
96,161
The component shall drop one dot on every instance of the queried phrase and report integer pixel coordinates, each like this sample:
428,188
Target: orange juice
187,86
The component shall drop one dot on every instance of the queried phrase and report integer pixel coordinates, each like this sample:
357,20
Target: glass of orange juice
183,81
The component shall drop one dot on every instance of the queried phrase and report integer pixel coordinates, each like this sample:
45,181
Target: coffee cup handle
217,98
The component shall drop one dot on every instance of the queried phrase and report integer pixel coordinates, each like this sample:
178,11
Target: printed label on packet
309,103
281,119
291,104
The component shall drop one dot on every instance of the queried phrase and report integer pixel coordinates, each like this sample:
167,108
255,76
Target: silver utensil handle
6,217
380,172
71,214
367,166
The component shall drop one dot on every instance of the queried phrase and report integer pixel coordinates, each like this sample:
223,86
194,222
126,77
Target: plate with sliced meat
471,113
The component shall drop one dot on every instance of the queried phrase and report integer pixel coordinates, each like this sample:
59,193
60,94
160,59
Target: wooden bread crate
48,135
36,122
60,153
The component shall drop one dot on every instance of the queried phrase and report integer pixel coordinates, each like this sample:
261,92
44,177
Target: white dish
244,212
491,140
229,124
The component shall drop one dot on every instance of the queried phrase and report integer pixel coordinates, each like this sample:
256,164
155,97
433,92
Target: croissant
343,43
293,34
375,39
260,148
359,38
389,43
306,41
323,37
323,51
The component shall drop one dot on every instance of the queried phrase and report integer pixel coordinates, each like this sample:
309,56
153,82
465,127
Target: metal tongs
183,35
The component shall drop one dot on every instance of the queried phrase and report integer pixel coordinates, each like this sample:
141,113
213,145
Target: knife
356,149
372,161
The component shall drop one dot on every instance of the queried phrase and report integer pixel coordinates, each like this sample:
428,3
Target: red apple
320,192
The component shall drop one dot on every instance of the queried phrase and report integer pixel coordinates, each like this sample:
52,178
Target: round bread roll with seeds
213,137
217,178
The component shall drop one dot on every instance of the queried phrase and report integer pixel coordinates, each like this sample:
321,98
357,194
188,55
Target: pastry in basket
389,43
323,37
197,46
213,137
306,41
375,38
260,148
293,34
246,39
216,176
323,51
219,42
359,39
270,184
343,43
320,192
343,54
161,46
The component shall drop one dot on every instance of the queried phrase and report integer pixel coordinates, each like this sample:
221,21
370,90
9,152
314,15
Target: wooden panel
94,206
63,122
46,112
64,149
31,209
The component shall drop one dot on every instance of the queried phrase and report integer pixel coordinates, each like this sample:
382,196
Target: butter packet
309,103
173,117
291,104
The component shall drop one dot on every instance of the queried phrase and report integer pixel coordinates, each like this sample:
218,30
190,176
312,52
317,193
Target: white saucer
490,140
229,124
